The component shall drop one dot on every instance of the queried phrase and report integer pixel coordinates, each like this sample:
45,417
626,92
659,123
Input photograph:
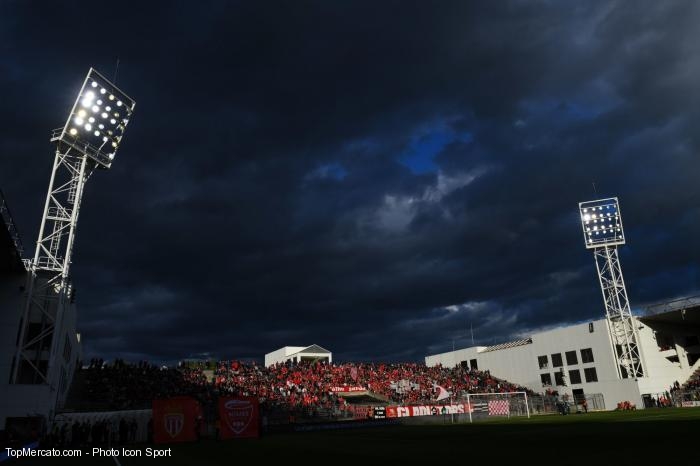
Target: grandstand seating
313,386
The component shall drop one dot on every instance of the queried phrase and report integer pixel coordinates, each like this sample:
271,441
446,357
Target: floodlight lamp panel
606,220
95,108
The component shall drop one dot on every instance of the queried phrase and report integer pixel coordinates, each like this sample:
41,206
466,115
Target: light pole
88,140
601,222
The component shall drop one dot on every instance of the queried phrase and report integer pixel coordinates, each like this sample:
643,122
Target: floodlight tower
87,141
601,221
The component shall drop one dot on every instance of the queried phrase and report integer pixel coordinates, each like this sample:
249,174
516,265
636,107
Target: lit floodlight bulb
119,103
94,84
111,156
73,131
108,108
91,119
99,102
587,217
86,102
95,108
88,126
595,228
104,138
78,121
104,115
97,133
101,126
102,91
111,97
89,95
114,144
113,121
82,113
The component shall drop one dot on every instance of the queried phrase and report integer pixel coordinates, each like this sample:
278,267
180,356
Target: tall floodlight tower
602,229
87,141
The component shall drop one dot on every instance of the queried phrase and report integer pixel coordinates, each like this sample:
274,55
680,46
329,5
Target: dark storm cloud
372,177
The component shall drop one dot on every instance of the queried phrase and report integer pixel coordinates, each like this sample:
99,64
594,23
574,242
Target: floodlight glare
92,137
608,234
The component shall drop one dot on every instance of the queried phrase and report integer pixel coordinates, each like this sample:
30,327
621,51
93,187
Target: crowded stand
308,384
121,385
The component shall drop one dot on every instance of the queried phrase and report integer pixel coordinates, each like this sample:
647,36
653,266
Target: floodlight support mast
48,287
80,149
623,332
601,223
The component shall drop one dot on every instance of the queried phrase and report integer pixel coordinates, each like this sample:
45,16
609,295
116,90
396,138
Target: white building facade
297,354
579,359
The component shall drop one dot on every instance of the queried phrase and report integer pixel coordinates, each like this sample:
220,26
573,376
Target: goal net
483,406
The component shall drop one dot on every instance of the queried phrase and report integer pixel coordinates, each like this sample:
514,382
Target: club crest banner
175,419
239,417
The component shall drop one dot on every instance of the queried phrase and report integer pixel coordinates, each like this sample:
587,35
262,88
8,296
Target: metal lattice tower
602,229
88,141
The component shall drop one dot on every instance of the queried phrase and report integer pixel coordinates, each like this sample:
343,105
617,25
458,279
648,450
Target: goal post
492,405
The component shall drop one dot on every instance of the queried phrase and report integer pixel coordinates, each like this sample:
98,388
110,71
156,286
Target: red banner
239,417
426,410
175,420
348,389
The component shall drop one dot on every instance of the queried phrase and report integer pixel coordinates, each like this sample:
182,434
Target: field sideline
623,437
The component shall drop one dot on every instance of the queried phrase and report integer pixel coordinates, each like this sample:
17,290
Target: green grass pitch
653,436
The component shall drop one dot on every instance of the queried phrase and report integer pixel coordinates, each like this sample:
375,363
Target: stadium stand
311,386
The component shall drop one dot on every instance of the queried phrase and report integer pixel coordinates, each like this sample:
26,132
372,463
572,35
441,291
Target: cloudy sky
374,177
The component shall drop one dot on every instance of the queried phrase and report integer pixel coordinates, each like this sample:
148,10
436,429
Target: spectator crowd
308,384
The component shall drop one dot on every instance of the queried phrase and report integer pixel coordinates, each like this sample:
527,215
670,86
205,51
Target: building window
586,355
556,360
559,378
591,375
546,380
571,358
575,376
590,327
543,362
473,365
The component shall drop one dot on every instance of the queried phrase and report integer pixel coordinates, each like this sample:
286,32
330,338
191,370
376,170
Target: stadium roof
10,244
510,344
683,310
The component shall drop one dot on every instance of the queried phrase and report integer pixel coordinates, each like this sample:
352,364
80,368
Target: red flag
239,417
175,420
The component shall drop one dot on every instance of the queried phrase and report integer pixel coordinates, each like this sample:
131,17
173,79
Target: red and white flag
442,393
